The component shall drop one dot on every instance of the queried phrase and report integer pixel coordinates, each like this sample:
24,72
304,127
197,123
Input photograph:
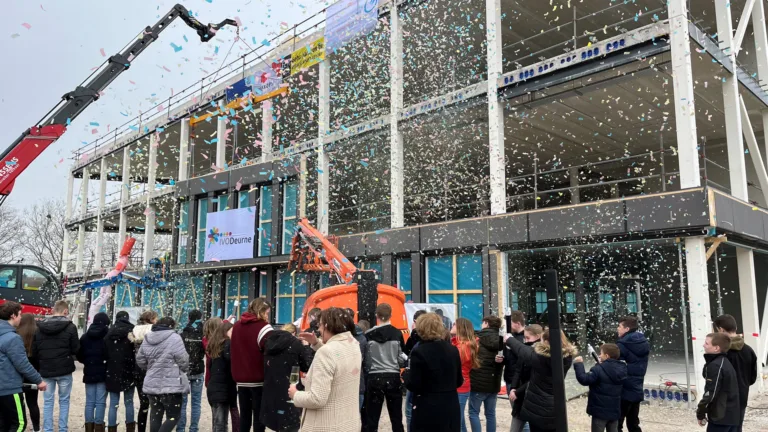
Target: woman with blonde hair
464,339
433,376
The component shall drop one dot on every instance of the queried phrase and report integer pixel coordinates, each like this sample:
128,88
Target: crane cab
34,287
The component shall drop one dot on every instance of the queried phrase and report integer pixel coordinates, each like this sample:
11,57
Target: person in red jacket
247,351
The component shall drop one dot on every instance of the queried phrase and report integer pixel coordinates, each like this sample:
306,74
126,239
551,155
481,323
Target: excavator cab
34,287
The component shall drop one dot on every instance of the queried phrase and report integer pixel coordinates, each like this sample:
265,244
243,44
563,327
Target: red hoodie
247,349
466,362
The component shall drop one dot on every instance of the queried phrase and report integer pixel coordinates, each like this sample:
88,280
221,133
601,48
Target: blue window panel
441,298
243,305
266,203
230,308
404,276
299,307
300,283
284,310
291,199
262,285
232,283
201,246
470,272
284,283
288,230
264,234
541,301
202,213
373,265
124,295
515,300
184,216
325,280
606,302
471,307
242,199
223,202
440,273
570,302
632,302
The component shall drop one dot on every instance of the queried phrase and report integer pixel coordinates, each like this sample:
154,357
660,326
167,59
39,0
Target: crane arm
15,159
312,251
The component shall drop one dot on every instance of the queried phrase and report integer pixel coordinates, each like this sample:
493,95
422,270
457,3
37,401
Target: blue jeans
408,410
65,388
362,398
114,402
196,388
463,397
489,400
95,402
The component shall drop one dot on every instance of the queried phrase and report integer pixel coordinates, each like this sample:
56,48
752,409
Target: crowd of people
252,372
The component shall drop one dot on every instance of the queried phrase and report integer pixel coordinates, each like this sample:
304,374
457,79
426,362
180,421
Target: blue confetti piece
10,163
94,124
381,231
265,42
364,164
159,130
161,223
215,140
124,114
133,128
216,49
176,48
68,121
271,175
185,38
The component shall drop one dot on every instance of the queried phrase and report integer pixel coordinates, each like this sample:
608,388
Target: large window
290,213
189,294
202,219
404,277
33,280
237,293
291,295
632,302
515,299
125,295
265,220
181,254
541,301
457,279
570,302
8,277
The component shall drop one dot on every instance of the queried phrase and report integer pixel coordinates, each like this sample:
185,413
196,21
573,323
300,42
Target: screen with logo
230,235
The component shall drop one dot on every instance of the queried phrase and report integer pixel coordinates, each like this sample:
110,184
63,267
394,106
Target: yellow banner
237,104
307,56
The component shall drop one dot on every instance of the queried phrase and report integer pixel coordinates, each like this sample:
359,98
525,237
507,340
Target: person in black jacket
606,382
92,354
742,358
121,366
192,335
386,346
433,375
359,336
485,381
539,403
413,340
720,402
222,390
55,345
520,378
517,330
635,350
282,352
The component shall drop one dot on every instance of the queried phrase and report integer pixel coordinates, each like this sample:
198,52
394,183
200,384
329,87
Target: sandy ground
652,418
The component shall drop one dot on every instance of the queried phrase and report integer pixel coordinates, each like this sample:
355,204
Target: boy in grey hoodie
13,365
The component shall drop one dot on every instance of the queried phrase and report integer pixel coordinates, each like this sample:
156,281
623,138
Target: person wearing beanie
192,335
92,354
121,366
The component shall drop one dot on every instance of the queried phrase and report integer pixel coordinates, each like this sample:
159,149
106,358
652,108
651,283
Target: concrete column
221,143
698,304
323,185
397,166
80,247
84,191
149,233
68,216
184,150
733,126
267,120
122,227
685,112
99,217
303,186
125,189
495,108
152,164
750,316
761,53
418,269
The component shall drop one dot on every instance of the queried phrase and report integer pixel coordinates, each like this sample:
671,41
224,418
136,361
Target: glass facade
237,293
183,233
125,295
189,294
457,279
290,213
404,277
265,220
291,295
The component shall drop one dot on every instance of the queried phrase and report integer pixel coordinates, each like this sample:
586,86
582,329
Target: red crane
22,152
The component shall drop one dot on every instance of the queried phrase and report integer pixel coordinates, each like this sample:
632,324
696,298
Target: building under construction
461,148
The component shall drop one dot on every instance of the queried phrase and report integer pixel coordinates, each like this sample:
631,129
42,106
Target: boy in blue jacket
606,382
635,350
13,365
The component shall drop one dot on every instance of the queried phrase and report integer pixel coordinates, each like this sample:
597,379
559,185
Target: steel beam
742,28
760,33
754,150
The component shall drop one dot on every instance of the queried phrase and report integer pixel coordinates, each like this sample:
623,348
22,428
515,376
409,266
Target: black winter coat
433,376
606,382
192,335
93,354
365,352
634,349
539,404
744,362
55,345
510,359
282,352
520,377
221,387
720,402
121,357
413,339
487,378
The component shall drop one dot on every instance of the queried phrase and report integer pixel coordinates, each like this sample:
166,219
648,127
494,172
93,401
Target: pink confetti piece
238,185
166,69
94,131
41,7
238,21
103,53
26,25
131,82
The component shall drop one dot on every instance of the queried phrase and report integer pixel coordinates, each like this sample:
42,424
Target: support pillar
323,186
149,220
184,150
152,165
685,112
418,266
221,143
80,247
495,108
84,191
303,186
750,315
731,108
573,174
125,195
388,263
68,216
99,216
397,166
267,120
698,304
761,54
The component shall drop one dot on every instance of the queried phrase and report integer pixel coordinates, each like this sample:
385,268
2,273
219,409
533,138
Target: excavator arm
311,251
17,157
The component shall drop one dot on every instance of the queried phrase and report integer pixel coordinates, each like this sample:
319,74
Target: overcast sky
49,47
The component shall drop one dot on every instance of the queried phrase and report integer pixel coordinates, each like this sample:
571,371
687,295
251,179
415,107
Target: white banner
448,311
230,235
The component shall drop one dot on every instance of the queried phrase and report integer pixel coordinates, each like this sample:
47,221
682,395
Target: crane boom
311,251
17,157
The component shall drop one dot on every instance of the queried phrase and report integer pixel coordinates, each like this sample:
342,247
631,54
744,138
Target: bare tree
10,230
44,229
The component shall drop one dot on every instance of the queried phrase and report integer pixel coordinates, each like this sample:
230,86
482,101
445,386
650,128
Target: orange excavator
360,290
